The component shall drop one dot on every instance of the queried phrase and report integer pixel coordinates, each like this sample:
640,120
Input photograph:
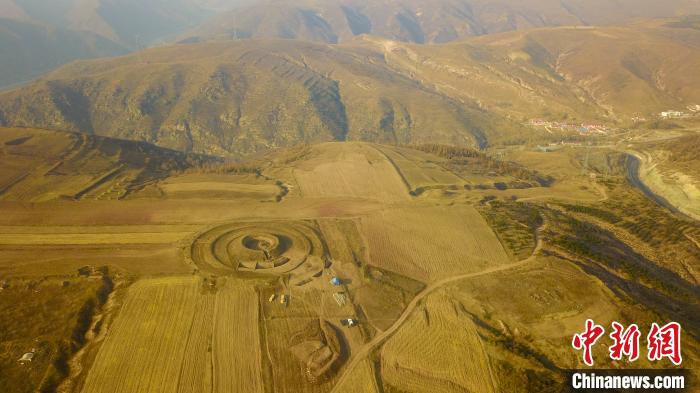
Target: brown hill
37,36
238,97
419,21
623,72
39,165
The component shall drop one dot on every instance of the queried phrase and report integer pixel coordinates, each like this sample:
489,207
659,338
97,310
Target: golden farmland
459,274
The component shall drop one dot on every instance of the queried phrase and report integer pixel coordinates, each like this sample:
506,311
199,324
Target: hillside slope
239,97
40,165
622,72
331,21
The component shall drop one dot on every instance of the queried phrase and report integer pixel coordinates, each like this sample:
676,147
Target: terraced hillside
44,165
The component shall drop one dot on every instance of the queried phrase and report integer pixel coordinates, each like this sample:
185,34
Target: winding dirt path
360,355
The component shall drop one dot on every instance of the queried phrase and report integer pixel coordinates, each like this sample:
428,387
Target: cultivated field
236,348
430,243
171,331
92,238
247,281
358,171
138,259
197,372
145,347
212,186
140,249
439,350
420,169
42,165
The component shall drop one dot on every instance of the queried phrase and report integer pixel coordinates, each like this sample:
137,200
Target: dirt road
360,355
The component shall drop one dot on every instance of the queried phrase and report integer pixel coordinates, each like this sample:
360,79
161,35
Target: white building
672,115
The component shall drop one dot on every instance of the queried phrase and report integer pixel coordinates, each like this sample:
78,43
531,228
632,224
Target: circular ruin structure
272,248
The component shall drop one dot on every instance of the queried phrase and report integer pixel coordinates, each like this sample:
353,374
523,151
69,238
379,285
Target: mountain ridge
415,21
240,97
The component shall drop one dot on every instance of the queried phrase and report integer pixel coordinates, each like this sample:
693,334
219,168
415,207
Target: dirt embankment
679,196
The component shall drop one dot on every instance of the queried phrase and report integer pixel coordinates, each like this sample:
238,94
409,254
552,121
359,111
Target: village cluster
589,128
585,128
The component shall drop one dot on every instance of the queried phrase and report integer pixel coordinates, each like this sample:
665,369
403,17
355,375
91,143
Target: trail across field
443,338
360,355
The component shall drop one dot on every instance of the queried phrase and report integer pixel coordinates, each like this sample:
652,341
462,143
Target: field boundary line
396,168
380,338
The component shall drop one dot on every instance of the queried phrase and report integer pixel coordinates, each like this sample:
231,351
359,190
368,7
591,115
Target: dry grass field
358,171
429,243
361,379
145,347
437,350
457,286
172,335
545,300
420,169
213,186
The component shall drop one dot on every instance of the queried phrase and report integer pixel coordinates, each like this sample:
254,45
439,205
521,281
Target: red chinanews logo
662,342
626,342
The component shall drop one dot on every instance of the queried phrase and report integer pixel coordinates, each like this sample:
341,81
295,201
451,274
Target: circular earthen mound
262,246
266,247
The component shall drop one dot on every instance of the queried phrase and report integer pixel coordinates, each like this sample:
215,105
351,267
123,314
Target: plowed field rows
173,336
